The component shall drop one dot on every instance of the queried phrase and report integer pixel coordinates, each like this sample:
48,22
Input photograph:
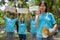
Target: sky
2,7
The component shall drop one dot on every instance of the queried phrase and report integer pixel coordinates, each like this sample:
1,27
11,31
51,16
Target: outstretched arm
37,17
27,15
52,31
55,27
3,14
18,15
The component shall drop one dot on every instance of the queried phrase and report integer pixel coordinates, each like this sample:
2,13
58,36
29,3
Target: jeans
10,35
33,36
49,38
22,36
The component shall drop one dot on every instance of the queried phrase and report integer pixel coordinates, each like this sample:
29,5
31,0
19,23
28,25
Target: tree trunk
51,6
56,9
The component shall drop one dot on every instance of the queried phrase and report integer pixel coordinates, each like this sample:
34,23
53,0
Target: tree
56,9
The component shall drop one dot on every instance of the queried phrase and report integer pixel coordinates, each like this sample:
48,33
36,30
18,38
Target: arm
37,17
52,31
18,15
55,27
27,15
53,21
37,20
3,14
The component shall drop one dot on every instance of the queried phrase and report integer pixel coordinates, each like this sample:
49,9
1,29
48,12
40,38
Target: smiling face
11,15
43,7
33,17
22,19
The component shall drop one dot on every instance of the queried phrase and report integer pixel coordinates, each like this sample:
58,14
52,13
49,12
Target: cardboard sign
11,9
22,10
33,8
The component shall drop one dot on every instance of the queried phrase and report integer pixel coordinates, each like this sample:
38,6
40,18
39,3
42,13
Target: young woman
22,28
10,23
45,19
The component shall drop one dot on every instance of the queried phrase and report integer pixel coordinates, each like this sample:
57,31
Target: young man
10,23
33,27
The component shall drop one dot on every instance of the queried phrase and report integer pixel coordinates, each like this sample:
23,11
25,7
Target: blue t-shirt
10,23
46,20
33,25
22,27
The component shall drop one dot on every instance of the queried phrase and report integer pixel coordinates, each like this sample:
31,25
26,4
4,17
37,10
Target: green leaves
58,3
23,4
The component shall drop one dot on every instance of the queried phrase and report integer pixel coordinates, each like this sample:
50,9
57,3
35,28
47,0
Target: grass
3,36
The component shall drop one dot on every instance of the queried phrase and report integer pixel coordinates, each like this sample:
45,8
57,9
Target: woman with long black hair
21,29
46,23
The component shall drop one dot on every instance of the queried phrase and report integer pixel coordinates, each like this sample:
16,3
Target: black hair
17,26
44,4
23,21
12,14
33,15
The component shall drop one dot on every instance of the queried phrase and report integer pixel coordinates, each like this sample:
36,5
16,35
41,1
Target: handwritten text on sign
22,10
33,8
11,9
